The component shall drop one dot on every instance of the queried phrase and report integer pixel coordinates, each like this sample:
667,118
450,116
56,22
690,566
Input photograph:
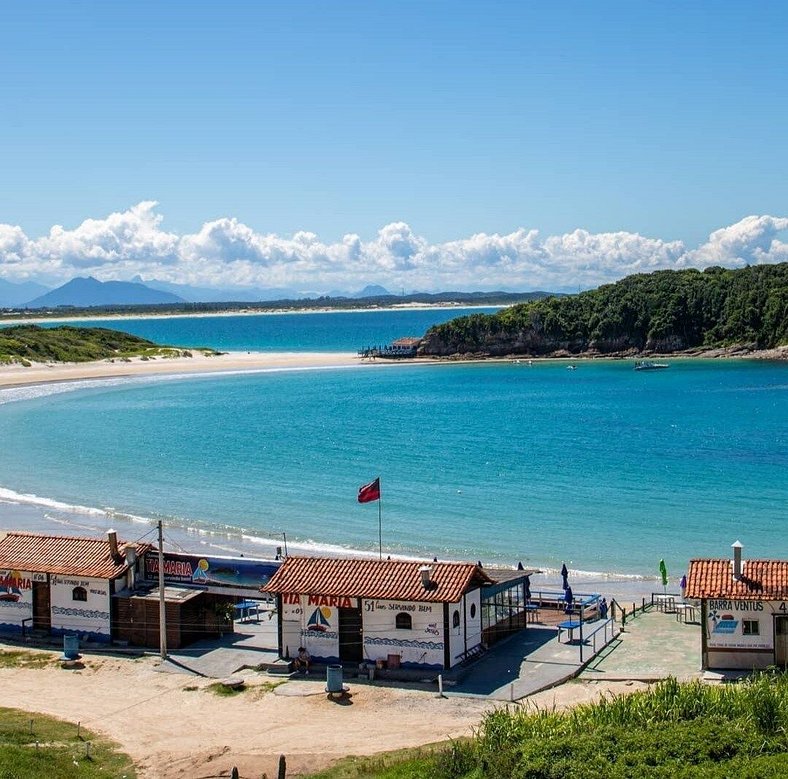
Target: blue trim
99,638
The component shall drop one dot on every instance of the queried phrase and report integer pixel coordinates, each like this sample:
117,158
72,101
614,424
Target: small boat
649,365
571,367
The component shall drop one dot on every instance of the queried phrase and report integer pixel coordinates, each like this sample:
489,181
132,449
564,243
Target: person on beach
603,609
302,661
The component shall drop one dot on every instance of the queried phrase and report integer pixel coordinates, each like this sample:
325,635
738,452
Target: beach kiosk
744,611
393,613
54,585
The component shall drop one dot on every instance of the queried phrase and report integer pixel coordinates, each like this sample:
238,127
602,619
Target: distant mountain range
86,292
13,295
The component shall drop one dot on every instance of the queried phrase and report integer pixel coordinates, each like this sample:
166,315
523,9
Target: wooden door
781,641
42,614
350,635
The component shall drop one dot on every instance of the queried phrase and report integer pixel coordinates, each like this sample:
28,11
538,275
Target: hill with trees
664,312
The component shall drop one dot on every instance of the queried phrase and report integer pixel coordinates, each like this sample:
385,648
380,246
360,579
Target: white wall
422,645
18,586
89,619
724,633
312,621
457,636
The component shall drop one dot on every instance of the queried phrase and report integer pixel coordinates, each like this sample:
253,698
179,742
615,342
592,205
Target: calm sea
603,467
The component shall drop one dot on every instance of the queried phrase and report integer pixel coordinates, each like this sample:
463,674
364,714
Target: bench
569,626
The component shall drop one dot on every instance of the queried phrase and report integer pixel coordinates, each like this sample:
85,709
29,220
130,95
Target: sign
211,572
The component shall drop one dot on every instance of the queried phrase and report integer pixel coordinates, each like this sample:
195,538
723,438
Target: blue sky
661,120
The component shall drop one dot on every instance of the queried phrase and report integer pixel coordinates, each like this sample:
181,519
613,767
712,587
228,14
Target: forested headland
664,312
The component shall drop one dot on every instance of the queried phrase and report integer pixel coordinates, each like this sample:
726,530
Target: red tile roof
64,555
760,580
382,579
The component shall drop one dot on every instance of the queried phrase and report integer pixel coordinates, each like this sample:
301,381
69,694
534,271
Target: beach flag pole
162,610
380,526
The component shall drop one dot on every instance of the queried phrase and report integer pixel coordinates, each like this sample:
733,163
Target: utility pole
162,615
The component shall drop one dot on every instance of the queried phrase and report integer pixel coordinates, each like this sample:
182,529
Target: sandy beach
230,362
205,735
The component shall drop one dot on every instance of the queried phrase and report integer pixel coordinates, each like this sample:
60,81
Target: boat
649,365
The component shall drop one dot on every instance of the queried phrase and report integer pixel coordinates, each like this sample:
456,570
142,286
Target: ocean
601,467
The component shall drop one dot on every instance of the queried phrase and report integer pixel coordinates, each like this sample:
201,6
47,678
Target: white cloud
226,252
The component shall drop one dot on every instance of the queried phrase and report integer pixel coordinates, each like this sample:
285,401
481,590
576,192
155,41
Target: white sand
40,373
172,731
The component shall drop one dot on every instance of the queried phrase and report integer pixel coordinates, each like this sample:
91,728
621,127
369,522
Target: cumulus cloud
227,253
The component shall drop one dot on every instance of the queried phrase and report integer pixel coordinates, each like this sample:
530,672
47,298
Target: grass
25,344
35,745
20,658
672,731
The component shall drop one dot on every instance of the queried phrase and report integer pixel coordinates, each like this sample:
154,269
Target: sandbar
41,373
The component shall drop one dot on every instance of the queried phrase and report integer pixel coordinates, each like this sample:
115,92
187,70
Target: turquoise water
603,467
336,331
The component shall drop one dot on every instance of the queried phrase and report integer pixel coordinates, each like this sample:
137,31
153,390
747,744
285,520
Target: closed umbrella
568,598
527,583
564,576
663,571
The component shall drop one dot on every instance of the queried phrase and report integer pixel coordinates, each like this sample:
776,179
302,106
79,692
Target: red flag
369,492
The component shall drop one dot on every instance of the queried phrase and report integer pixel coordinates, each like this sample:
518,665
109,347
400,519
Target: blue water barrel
334,678
71,647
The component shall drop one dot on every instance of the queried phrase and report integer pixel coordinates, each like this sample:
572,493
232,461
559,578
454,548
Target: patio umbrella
564,576
568,598
663,571
527,582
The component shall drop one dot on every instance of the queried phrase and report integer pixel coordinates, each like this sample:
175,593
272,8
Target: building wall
89,619
726,644
312,621
420,647
16,587
460,641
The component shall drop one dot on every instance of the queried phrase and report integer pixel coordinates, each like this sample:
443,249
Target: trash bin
71,647
334,678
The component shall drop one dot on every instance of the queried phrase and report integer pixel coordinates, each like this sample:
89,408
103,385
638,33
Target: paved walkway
652,646
252,644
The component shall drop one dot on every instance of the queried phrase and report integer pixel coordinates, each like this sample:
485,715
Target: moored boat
650,365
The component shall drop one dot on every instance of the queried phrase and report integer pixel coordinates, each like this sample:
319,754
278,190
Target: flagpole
380,524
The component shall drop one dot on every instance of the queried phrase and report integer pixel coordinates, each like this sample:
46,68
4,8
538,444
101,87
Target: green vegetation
673,731
35,745
662,312
26,344
21,658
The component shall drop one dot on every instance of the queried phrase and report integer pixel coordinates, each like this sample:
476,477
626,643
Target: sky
437,145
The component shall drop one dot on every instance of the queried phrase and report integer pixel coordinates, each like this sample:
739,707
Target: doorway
42,615
350,635
781,641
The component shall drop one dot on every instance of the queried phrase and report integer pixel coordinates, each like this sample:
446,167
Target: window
404,621
455,619
751,627
473,610
79,593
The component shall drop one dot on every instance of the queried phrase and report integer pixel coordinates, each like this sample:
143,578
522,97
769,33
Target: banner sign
211,572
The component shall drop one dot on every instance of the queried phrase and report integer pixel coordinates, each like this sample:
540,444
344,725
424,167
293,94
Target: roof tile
382,579
760,580
64,555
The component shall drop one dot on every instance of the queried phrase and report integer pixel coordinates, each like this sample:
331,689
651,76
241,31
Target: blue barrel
334,678
71,647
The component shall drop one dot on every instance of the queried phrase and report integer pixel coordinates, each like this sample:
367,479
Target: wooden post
282,772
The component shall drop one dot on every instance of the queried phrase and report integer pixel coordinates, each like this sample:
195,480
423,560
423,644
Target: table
684,611
569,626
665,603
246,608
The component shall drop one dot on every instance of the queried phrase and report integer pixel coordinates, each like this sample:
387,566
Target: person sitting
302,661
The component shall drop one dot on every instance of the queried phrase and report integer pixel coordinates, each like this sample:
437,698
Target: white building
410,614
61,584
744,611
